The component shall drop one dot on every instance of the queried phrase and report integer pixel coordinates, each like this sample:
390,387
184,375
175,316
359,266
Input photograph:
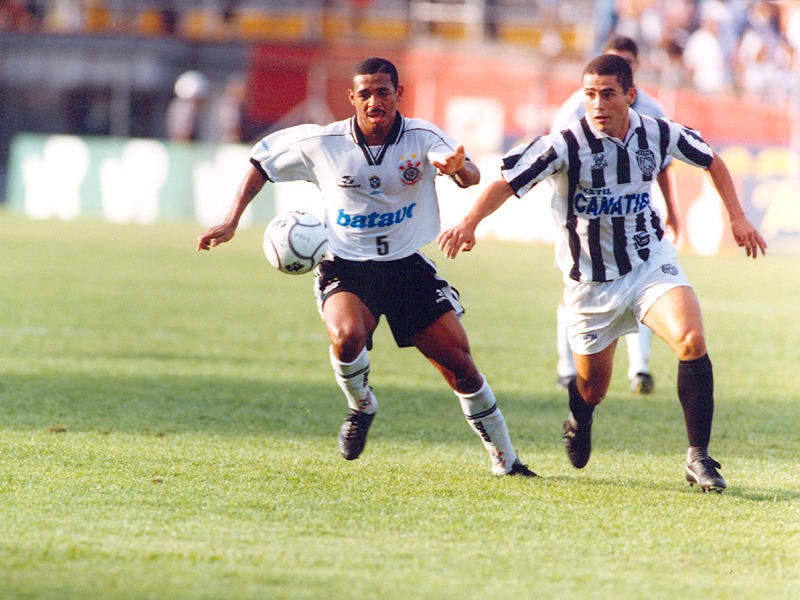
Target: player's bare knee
691,346
347,345
592,394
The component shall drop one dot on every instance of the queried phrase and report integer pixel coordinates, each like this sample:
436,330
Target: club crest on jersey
646,161
410,169
599,162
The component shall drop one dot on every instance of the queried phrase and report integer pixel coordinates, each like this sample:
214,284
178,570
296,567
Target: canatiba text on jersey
611,205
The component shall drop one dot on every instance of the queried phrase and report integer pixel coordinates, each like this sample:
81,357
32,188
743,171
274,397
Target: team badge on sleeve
410,169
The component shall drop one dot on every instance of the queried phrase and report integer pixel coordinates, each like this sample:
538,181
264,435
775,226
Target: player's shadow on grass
234,406
615,483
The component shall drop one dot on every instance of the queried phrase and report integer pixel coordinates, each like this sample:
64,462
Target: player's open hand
215,236
449,164
747,236
461,237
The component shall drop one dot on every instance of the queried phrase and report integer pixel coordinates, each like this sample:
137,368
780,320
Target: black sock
696,393
581,411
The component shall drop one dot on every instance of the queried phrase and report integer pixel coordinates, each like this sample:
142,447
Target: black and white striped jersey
602,187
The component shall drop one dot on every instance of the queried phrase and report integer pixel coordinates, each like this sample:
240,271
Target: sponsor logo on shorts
589,337
669,269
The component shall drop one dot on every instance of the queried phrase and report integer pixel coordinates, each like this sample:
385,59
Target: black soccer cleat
703,472
578,442
519,469
642,383
353,434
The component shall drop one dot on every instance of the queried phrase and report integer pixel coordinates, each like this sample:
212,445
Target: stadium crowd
747,47
750,48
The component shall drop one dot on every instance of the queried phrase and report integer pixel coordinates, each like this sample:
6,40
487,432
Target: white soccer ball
295,242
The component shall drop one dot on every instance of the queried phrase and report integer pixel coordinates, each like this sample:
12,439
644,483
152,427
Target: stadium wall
127,180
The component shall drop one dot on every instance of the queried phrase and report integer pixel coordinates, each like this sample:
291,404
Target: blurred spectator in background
704,56
186,112
230,111
16,15
764,56
604,19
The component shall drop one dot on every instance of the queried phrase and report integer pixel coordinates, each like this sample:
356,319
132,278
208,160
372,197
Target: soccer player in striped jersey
376,174
638,343
618,266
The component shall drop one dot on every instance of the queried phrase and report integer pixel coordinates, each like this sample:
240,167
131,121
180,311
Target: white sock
353,379
485,419
638,351
566,365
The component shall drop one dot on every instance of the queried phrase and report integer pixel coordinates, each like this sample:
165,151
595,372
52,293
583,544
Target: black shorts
407,291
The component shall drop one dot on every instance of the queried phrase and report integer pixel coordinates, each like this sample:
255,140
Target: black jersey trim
620,246
623,165
698,157
259,168
573,175
596,251
537,167
361,141
663,130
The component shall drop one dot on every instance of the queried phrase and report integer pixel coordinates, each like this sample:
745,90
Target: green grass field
168,427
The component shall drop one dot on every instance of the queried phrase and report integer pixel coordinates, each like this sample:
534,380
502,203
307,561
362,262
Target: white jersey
602,190
380,201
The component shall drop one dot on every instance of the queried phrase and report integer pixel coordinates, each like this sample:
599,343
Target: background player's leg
638,345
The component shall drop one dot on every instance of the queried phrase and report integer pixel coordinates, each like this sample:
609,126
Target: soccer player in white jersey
618,266
376,173
638,343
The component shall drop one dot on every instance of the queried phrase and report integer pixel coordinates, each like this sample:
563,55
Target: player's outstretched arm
744,232
455,164
214,236
462,236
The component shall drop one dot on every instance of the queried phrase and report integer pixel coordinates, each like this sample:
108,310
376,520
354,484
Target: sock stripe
482,415
356,374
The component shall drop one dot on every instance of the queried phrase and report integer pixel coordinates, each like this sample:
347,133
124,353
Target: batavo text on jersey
375,219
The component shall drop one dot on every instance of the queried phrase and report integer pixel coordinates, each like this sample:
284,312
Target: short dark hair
620,43
612,64
372,65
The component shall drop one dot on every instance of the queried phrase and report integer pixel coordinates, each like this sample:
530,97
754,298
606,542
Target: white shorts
599,313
